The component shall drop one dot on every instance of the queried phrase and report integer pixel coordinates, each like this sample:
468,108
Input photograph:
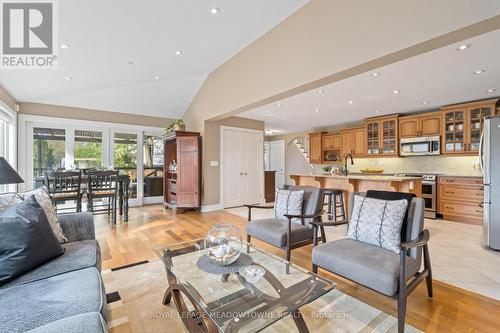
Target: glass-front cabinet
463,126
454,132
382,136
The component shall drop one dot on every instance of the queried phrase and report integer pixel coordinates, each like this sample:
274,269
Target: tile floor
457,256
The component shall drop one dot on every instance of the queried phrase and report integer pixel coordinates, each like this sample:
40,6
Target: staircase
302,144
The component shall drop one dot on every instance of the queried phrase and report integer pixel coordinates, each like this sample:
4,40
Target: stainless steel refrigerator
490,166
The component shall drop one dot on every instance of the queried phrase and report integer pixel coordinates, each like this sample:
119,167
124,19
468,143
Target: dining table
123,180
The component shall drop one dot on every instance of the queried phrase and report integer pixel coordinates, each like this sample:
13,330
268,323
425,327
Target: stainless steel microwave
420,146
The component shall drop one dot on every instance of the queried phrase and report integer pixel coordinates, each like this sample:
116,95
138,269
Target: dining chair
64,186
102,185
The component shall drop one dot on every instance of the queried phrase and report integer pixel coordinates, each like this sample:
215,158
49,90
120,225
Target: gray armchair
286,234
394,275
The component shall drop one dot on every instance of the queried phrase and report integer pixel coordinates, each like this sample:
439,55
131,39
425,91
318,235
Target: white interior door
232,174
242,169
252,172
277,161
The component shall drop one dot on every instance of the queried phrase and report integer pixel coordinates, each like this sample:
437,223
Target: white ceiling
443,76
104,34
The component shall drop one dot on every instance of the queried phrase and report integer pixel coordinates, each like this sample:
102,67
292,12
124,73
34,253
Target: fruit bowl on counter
371,170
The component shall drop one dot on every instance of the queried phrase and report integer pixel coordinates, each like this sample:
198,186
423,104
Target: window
88,149
125,158
8,142
153,166
48,152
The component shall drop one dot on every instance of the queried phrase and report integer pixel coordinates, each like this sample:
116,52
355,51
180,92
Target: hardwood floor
452,309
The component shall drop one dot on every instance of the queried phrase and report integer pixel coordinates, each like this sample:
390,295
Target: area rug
135,293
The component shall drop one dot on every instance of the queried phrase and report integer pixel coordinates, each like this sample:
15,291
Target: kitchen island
360,183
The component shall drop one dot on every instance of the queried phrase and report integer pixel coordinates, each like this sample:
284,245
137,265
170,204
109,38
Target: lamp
7,174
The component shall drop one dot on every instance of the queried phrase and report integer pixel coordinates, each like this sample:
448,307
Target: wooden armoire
182,188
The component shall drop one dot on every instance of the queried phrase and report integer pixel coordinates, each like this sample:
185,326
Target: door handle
246,173
241,173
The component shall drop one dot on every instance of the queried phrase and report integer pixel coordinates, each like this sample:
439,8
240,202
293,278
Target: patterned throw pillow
43,199
377,222
288,202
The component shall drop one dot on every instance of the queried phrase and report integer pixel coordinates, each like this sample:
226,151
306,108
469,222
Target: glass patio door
125,148
152,152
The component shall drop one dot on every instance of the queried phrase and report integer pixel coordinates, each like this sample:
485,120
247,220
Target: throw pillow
26,239
377,222
43,198
288,202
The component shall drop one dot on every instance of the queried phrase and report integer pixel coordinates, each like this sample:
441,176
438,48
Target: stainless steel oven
429,193
420,146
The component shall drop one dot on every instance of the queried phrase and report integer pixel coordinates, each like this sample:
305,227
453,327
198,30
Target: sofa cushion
91,322
77,255
288,202
274,231
26,240
366,264
51,299
377,222
43,198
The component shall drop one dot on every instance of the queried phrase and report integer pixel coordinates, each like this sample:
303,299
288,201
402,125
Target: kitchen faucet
346,170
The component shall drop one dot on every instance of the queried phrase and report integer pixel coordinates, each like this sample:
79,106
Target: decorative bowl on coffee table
223,243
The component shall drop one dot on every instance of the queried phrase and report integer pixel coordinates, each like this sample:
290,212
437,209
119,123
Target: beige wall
89,114
211,152
327,41
7,98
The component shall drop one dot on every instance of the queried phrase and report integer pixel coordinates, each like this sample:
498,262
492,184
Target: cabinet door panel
188,178
359,145
315,148
408,128
430,125
337,142
347,141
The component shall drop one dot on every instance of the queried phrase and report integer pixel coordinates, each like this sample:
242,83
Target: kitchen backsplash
449,165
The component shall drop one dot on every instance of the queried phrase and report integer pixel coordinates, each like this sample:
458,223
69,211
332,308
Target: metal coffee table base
198,320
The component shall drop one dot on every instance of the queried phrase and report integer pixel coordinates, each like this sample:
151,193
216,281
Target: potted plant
327,169
176,125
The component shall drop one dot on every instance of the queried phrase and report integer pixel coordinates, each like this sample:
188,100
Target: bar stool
335,201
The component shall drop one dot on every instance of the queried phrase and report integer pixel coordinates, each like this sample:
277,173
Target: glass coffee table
229,302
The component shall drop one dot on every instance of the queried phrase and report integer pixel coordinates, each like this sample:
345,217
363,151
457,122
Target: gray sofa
65,294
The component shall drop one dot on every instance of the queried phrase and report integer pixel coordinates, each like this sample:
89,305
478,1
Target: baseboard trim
210,208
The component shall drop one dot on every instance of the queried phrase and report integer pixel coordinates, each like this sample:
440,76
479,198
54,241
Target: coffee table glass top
236,304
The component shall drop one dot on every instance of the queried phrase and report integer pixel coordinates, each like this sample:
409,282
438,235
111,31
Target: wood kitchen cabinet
354,141
427,124
460,199
382,136
315,148
331,148
462,126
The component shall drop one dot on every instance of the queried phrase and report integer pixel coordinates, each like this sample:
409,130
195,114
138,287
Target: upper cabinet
354,141
382,136
463,125
332,146
427,124
315,147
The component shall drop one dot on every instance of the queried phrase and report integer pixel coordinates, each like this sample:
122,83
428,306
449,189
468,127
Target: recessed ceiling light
68,78
64,46
463,47
316,110
214,10
338,118
279,104
479,71
157,77
395,91
350,102
321,91
425,102
491,90
375,74
178,52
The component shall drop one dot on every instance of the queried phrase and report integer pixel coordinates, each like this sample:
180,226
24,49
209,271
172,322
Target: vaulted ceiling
122,54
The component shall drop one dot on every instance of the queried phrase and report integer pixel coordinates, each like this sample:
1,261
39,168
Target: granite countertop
461,176
358,176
